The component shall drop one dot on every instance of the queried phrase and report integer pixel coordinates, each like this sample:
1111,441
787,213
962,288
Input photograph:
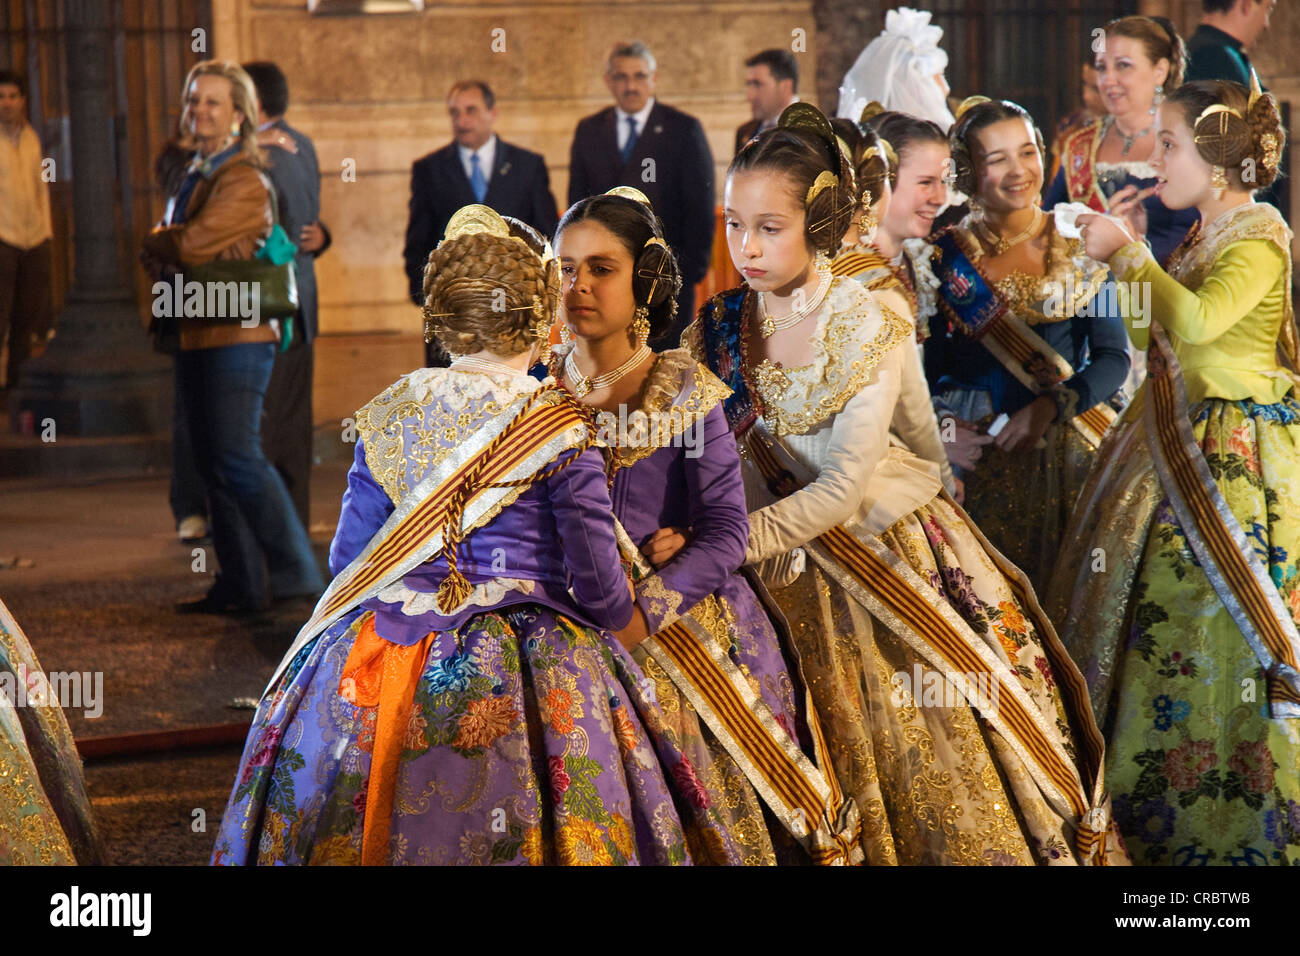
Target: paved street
105,571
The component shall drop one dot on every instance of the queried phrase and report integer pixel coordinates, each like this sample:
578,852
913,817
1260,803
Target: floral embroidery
486,720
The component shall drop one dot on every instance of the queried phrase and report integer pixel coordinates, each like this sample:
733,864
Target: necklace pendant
767,328
581,385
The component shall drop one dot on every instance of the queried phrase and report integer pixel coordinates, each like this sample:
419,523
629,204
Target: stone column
99,375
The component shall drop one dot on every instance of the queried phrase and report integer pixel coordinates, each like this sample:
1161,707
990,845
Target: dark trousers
187,494
254,527
26,302
286,426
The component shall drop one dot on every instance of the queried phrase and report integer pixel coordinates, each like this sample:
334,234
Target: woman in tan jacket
222,211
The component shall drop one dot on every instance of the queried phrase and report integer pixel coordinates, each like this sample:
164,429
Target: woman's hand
1103,236
958,490
664,545
1025,428
275,137
967,444
637,630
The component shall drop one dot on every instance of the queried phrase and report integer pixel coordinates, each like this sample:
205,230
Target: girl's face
1008,166
1126,77
1184,177
765,231
596,280
920,194
209,109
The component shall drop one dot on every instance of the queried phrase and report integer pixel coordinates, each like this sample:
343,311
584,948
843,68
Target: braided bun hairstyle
656,278
869,171
1160,41
975,114
483,291
1245,139
803,148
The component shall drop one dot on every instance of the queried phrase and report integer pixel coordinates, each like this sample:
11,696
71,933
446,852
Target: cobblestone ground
105,571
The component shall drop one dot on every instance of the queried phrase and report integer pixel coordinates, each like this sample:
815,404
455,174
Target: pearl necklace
582,384
490,366
769,326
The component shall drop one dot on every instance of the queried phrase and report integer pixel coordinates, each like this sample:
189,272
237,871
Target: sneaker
192,528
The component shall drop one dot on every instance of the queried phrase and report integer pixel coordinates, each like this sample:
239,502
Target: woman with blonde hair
222,211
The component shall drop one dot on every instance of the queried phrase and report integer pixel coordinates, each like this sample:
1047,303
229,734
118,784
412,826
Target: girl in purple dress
456,697
676,487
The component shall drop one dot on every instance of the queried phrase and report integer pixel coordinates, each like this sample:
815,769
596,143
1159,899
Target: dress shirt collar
641,116
487,155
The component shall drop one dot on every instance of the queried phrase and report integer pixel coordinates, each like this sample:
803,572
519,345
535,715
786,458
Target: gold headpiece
824,179
476,218
1224,132
890,156
969,103
1255,91
630,192
870,112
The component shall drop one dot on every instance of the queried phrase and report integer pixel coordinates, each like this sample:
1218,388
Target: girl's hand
637,630
967,444
664,545
959,490
1025,428
1103,236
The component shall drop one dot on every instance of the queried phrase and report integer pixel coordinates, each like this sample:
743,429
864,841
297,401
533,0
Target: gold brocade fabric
44,810
1022,500
934,785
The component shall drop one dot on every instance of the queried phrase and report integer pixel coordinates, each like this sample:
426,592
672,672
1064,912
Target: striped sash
896,595
519,442
807,800
975,307
1239,577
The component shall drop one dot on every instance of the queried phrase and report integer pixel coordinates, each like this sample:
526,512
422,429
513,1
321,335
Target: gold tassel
452,592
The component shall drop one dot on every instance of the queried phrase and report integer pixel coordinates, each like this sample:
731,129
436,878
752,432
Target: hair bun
1222,136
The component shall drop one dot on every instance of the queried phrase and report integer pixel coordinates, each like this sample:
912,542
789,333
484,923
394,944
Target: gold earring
640,326
1218,181
867,222
234,129
542,330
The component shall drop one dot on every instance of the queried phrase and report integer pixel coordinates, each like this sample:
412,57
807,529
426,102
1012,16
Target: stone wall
371,88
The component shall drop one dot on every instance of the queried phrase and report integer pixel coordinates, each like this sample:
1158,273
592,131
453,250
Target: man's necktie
476,180
631,138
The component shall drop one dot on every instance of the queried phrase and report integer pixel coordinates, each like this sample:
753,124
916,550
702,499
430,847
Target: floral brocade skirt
934,783
1022,500
1198,771
44,811
530,739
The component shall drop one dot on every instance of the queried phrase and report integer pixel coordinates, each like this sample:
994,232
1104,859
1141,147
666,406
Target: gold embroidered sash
807,800
515,445
895,594
1239,577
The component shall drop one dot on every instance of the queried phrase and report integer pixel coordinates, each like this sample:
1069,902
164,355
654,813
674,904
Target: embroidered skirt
1022,500
44,811
528,739
1198,772
935,785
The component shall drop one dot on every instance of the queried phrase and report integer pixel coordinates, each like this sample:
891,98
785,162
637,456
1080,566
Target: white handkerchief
1067,214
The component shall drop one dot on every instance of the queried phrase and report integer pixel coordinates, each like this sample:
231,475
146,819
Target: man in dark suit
659,150
478,167
771,84
295,174
1217,50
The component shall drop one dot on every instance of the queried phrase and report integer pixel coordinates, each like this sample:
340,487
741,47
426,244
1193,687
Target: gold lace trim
849,343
